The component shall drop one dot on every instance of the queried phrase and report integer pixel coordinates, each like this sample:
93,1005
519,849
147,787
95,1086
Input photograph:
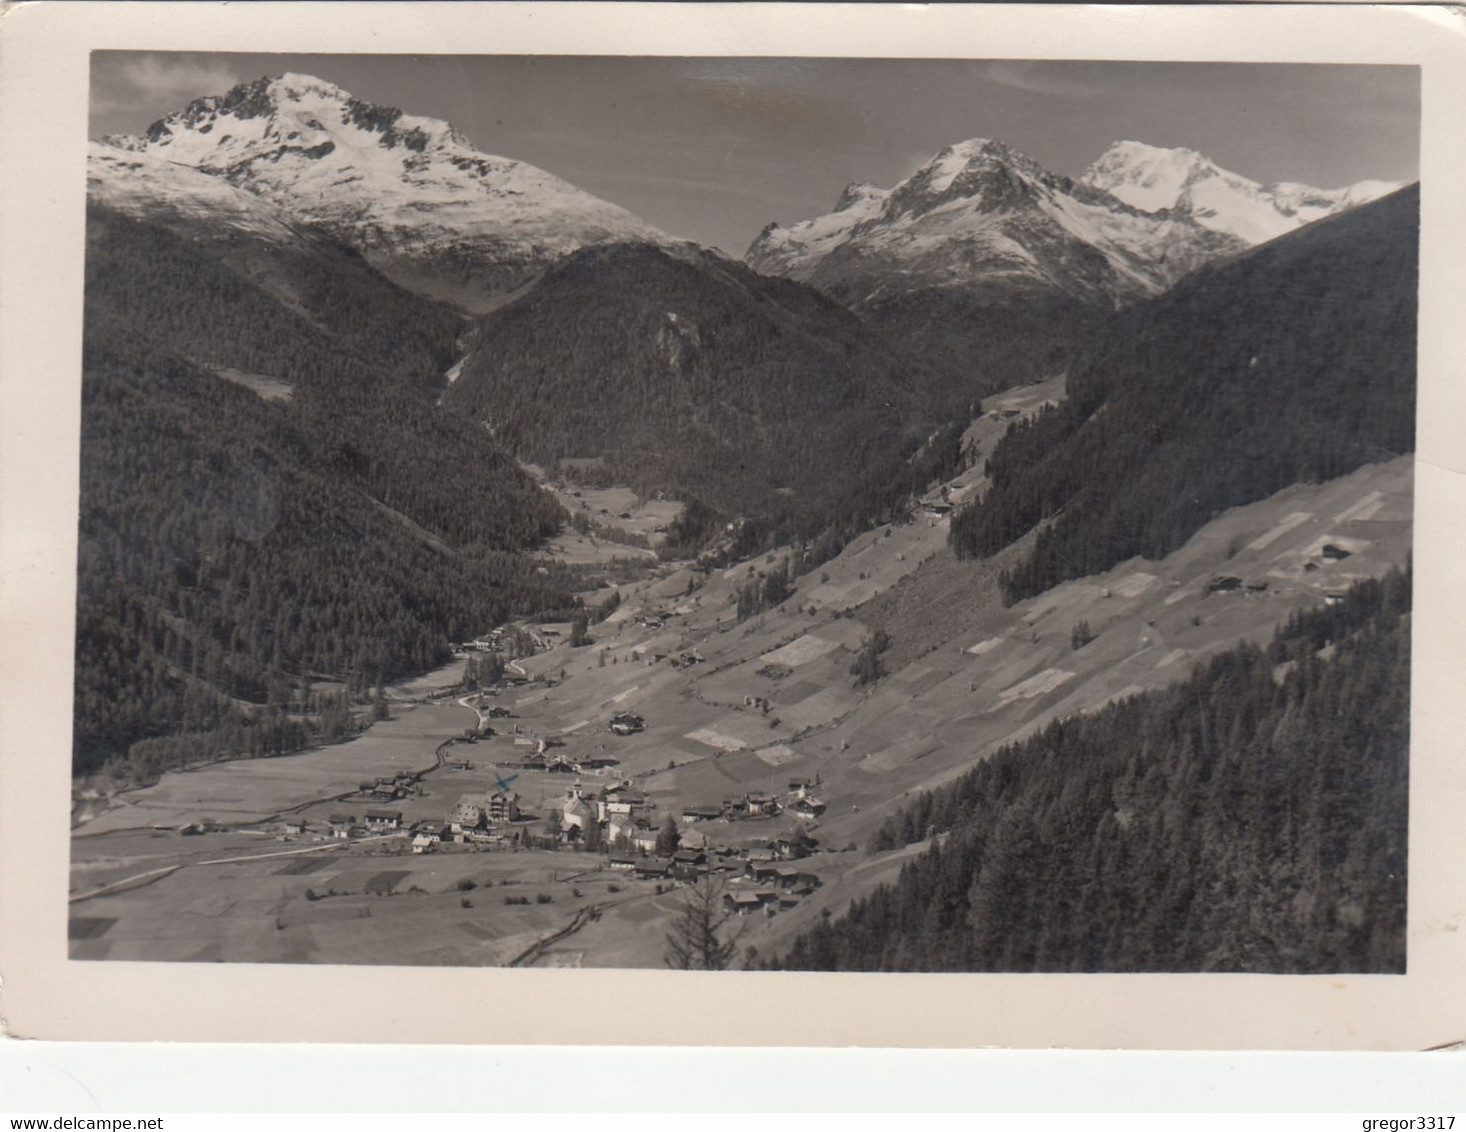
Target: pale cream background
43,103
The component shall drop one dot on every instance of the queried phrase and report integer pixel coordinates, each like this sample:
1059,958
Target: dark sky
713,149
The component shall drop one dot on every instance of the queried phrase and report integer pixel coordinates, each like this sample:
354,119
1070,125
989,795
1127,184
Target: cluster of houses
384,789
342,825
1328,554
542,760
756,805
490,643
778,886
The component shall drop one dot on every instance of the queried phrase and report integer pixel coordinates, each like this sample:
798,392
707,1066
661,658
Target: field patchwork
801,651
1286,524
1040,685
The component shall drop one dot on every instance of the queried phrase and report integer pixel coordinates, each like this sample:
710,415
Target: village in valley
562,794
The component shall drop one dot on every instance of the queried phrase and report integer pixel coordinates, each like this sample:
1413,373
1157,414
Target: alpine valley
1004,571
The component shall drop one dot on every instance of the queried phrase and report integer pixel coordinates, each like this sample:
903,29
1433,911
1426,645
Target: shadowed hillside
235,544
694,375
1294,362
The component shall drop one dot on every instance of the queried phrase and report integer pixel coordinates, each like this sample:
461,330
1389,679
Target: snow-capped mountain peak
981,213
410,192
1153,178
1149,177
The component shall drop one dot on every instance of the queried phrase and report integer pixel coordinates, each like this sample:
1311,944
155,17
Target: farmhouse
742,902
692,839
383,819
340,825
762,872
653,868
808,807
623,863
644,839
792,876
701,813
627,723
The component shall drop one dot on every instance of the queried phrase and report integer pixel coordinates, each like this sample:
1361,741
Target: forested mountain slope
234,547
1294,362
757,397
1252,819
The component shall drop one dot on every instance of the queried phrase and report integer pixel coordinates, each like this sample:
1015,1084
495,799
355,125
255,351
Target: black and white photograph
766,514
502,543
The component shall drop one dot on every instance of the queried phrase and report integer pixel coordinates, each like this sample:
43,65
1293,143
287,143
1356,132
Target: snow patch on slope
140,185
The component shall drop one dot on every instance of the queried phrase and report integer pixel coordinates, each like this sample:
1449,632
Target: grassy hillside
233,547
1250,819
1295,362
755,396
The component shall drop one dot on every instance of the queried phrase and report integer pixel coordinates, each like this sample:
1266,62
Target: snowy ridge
1183,181
982,213
140,185
408,191
805,244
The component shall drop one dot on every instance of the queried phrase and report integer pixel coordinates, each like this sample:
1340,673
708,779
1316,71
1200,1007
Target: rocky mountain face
1002,268
982,214
410,193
